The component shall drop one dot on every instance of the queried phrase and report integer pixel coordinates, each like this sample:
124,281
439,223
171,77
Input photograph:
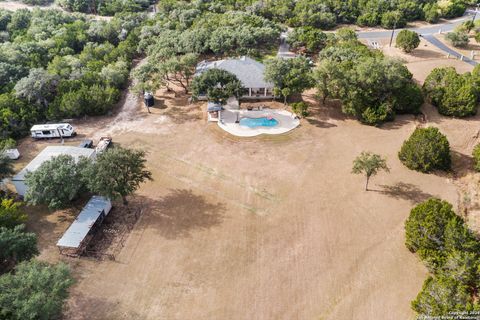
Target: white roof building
45,155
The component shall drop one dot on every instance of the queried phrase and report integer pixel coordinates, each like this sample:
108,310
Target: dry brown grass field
272,227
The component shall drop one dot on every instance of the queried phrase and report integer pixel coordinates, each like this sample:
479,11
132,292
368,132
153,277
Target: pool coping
287,121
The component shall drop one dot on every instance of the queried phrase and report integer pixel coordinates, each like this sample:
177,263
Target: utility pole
475,14
393,31
394,23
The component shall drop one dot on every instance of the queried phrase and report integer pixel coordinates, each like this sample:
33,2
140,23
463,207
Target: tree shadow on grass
182,212
320,124
82,306
462,164
399,121
405,191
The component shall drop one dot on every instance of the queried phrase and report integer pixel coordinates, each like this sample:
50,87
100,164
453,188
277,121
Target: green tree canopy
117,173
289,76
427,149
440,296
307,39
217,85
425,227
369,164
15,246
371,87
55,183
457,38
452,93
6,166
11,214
38,87
407,40
450,251
35,291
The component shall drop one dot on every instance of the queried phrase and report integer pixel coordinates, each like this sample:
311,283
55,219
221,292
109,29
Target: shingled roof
247,70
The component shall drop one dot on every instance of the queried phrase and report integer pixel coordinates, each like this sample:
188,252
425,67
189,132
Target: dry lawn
273,227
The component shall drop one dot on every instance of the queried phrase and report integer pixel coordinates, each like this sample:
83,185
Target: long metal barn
75,240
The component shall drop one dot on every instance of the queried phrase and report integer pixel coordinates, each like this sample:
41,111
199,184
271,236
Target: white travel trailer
53,130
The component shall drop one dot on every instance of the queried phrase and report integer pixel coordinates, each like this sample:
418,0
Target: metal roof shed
75,239
47,154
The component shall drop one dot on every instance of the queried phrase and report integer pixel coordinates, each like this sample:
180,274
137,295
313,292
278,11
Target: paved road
443,27
437,43
284,48
427,33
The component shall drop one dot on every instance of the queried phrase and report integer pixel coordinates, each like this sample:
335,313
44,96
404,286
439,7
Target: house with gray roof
248,71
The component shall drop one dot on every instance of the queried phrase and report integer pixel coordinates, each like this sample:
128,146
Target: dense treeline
104,7
55,65
451,253
325,14
182,31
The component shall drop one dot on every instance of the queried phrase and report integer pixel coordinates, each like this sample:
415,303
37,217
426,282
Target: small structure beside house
46,154
75,240
214,110
248,71
12,153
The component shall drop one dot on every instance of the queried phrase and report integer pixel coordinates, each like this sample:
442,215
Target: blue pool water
258,122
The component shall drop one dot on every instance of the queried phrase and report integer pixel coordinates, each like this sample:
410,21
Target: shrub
440,296
8,143
452,93
476,157
408,100
457,39
16,245
300,108
426,150
36,290
407,40
424,228
11,213
450,251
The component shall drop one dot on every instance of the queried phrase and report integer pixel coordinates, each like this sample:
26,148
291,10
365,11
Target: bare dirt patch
265,228
262,228
424,59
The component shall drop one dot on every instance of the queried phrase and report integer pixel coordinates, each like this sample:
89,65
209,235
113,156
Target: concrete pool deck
286,122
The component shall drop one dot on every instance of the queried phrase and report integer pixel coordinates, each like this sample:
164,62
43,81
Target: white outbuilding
47,154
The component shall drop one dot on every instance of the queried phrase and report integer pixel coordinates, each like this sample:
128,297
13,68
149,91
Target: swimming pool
258,122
